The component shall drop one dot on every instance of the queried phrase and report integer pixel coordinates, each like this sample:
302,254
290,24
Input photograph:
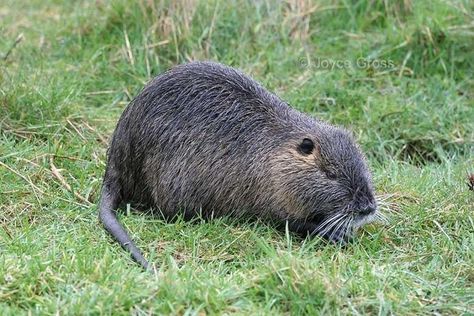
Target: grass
67,70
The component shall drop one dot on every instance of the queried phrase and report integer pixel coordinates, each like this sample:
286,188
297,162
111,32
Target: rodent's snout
364,213
367,209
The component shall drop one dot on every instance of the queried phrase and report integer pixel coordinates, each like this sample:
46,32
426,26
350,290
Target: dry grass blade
56,173
17,41
23,177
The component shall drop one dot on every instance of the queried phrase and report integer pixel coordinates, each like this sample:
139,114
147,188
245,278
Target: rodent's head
324,180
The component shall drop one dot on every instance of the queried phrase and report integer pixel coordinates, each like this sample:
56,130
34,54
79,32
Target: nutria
203,138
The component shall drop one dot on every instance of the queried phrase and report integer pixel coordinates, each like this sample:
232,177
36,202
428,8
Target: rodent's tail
109,201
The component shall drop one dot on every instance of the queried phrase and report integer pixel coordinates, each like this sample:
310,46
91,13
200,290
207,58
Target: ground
397,74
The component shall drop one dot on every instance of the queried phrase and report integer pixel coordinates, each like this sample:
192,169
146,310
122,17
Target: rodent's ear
306,146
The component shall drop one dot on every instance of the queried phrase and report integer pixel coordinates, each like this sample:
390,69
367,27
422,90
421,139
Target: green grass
78,63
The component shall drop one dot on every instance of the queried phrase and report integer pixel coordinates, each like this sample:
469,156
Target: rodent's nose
368,209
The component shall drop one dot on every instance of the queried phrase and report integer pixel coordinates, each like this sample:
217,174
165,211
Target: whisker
381,217
386,203
350,221
332,221
327,221
336,228
332,225
322,224
384,197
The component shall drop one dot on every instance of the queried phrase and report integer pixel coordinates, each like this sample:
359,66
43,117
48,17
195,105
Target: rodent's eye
331,175
306,147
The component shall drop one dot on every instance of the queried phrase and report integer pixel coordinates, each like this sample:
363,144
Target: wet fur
205,138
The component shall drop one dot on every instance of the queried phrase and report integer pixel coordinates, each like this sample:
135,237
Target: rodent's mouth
340,227
340,235
363,219
337,227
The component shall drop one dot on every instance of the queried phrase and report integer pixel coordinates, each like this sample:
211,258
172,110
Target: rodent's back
201,136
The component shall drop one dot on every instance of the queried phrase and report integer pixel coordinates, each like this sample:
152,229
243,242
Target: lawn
398,74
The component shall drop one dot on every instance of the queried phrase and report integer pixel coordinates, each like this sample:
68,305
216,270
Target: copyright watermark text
346,64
